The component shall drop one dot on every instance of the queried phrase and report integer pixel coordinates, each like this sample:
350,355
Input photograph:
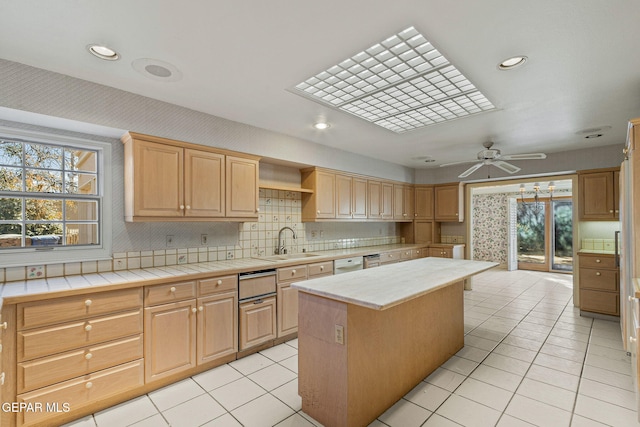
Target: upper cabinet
321,204
449,202
403,202
598,192
423,195
168,180
380,200
351,197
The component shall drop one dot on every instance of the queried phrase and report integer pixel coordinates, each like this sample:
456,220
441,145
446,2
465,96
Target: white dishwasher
346,265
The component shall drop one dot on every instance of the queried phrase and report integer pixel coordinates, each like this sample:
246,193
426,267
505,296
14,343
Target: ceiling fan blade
471,170
507,167
457,163
528,156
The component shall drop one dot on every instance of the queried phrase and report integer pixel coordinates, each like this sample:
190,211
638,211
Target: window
51,198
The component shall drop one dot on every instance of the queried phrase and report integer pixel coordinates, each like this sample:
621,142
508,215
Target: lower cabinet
217,331
599,284
257,322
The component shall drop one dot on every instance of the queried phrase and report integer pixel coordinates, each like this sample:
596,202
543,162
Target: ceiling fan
493,157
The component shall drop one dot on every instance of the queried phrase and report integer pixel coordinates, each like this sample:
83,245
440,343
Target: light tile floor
529,360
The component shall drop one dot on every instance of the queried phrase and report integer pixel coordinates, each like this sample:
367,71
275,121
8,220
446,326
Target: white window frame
26,256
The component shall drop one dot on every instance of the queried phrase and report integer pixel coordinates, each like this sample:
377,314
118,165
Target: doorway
545,234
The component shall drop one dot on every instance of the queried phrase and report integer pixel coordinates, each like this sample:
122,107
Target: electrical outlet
204,239
339,334
169,240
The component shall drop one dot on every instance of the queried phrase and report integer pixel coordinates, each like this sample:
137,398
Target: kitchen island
366,338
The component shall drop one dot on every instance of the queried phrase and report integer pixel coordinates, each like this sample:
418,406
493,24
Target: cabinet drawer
162,294
598,262
287,274
603,280
53,369
40,313
406,254
600,302
218,284
320,269
419,253
388,257
81,391
68,336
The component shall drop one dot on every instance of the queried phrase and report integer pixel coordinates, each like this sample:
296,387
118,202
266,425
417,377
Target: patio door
544,235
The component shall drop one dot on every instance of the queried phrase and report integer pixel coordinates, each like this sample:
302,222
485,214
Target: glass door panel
532,242
562,235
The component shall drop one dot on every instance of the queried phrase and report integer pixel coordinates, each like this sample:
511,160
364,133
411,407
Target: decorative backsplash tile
598,244
278,209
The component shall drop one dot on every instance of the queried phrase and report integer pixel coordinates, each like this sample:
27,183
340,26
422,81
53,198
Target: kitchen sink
285,257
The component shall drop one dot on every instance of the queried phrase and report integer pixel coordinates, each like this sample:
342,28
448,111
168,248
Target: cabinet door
359,198
424,203
169,339
242,187
409,202
387,201
446,198
217,326
374,199
398,202
158,179
204,184
616,194
287,310
325,193
343,196
257,322
596,196
436,252
423,232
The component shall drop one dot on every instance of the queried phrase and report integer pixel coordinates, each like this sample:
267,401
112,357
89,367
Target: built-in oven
256,308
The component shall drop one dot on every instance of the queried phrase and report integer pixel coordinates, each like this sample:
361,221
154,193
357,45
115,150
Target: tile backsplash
255,239
598,244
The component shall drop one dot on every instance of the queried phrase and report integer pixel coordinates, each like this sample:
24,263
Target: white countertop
384,287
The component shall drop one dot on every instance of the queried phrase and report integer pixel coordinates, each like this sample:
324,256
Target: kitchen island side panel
388,352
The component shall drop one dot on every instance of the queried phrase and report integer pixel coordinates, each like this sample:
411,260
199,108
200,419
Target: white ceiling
240,61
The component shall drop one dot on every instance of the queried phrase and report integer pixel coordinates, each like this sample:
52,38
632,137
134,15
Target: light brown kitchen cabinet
242,187
351,197
321,204
403,203
598,195
257,322
390,257
170,339
423,195
287,313
447,251
380,200
168,180
449,202
424,231
217,327
599,284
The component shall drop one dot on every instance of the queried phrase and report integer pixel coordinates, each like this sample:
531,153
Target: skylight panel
401,83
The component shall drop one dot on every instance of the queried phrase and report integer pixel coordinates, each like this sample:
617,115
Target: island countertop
384,287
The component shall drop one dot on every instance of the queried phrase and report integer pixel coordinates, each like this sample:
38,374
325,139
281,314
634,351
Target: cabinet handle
456,213
219,282
318,212
89,384
611,211
88,356
173,289
181,206
194,310
258,301
632,339
293,272
617,211
404,214
201,308
88,328
257,209
630,298
88,302
322,268
597,260
188,207
415,214
3,325
598,273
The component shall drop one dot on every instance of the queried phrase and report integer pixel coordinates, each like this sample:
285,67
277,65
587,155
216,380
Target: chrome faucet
281,250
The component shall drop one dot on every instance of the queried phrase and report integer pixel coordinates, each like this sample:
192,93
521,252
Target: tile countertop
370,288
39,289
596,251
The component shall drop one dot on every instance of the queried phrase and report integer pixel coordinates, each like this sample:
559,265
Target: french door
544,234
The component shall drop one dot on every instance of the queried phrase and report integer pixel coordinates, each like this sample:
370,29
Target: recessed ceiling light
103,52
322,126
400,83
511,63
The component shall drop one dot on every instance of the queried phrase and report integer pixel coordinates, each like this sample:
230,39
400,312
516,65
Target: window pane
42,156
82,183
11,235
10,209
10,153
81,210
10,179
45,234
43,210
80,160
81,234
40,181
